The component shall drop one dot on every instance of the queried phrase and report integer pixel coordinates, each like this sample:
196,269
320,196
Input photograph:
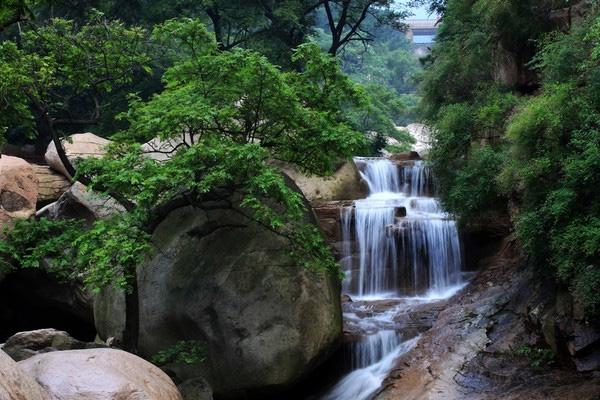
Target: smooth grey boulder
24,345
99,374
222,279
80,203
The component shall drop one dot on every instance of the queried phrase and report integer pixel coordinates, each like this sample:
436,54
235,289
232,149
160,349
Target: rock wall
474,350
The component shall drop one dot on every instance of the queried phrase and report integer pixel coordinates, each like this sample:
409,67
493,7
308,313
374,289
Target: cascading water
398,243
406,244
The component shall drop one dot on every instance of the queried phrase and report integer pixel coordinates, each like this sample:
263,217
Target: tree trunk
132,318
215,18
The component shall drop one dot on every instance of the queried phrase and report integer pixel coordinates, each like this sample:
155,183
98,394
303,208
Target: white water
362,383
415,257
401,256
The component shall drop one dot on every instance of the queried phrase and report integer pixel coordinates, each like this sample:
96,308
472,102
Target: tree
14,11
59,75
496,141
435,6
346,18
232,112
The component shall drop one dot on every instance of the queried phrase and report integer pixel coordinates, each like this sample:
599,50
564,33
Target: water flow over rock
397,244
403,242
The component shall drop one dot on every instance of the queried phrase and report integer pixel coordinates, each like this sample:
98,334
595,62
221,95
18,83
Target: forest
261,199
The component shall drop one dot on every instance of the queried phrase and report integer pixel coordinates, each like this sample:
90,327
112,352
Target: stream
400,250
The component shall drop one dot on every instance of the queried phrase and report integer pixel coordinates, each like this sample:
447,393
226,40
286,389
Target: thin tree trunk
132,318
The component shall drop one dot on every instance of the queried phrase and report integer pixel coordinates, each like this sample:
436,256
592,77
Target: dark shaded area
32,299
316,384
483,238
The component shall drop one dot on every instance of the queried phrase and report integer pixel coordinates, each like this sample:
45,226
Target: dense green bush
468,154
495,143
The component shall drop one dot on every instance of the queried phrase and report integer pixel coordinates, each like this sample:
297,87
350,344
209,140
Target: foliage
467,155
188,352
539,357
385,69
390,63
377,116
555,142
541,151
473,190
99,256
108,253
14,11
230,112
271,27
29,242
59,75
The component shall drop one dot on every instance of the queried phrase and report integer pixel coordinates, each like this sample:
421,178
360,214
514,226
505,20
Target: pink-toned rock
51,184
79,145
18,189
99,374
15,384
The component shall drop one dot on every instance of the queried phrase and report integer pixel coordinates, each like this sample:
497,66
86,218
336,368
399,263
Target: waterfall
363,382
399,253
416,179
398,243
381,175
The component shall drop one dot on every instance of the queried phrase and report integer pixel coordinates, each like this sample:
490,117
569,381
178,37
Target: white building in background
421,32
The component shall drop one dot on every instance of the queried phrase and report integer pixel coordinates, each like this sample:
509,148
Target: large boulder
344,184
18,190
51,185
422,135
79,145
80,203
24,345
15,384
99,374
222,279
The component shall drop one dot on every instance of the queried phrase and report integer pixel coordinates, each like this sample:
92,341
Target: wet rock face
329,214
99,374
410,318
472,350
221,279
575,340
195,389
